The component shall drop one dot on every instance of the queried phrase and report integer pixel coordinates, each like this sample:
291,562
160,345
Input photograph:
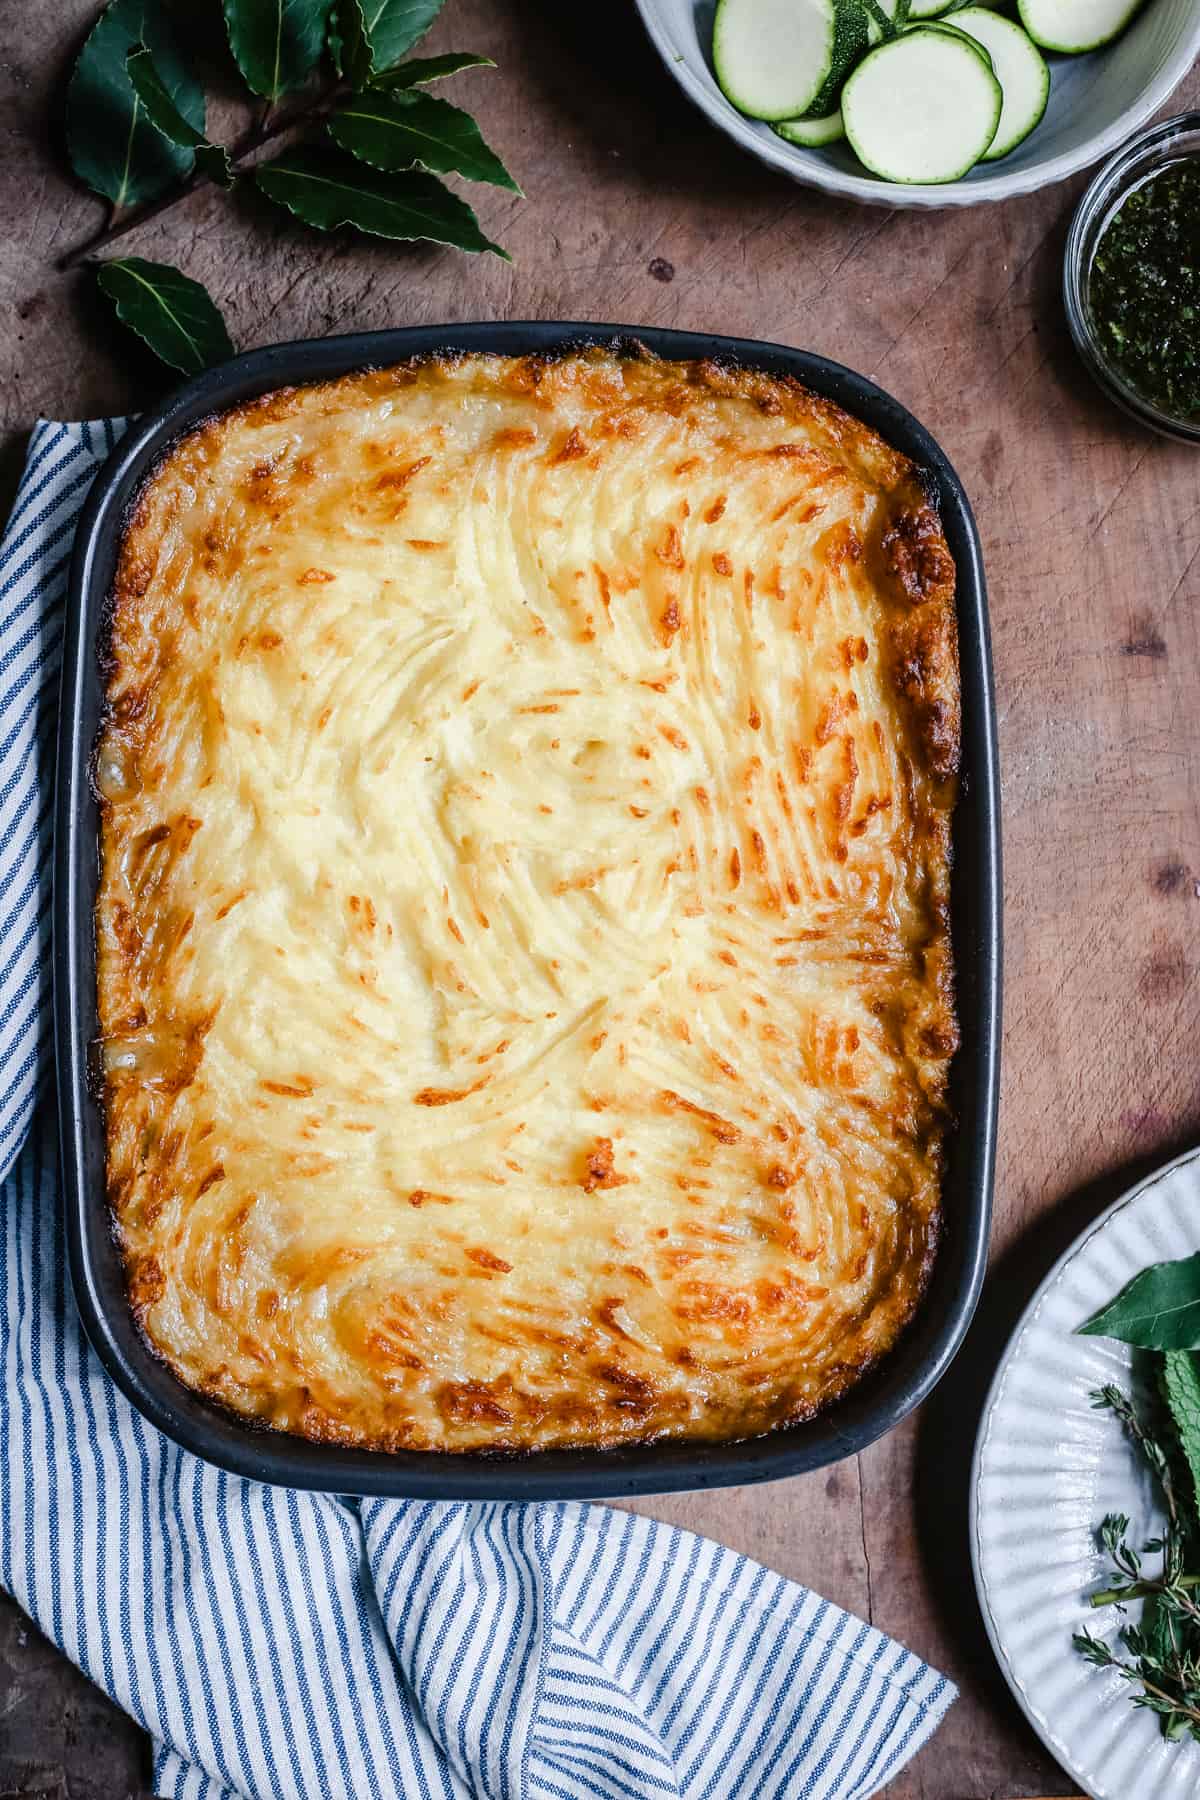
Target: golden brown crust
524,960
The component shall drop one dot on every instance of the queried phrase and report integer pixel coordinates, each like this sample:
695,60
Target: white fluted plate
1047,1468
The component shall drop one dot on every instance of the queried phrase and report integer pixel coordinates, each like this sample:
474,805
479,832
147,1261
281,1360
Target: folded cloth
279,1644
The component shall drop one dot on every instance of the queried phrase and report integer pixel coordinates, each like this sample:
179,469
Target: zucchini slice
885,18
773,57
1019,67
813,132
1076,25
952,31
853,37
923,108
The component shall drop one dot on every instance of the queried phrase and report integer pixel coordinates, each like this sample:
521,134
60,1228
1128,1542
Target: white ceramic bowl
1096,102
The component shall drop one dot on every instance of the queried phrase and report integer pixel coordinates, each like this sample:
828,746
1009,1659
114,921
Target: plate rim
984,1431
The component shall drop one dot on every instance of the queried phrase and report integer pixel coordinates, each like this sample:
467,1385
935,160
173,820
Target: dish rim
882,1397
869,190
1060,1751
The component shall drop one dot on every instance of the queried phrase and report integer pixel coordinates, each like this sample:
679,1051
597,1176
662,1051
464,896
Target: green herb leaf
398,131
367,37
420,69
1181,1384
113,145
349,45
392,27
1163,1646
1158,1310
213,161
170,312
328,190
166,117
276,43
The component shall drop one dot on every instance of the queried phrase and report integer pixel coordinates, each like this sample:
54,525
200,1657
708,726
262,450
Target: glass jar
1145,156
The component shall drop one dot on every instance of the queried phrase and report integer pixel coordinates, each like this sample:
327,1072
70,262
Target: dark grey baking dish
878,1402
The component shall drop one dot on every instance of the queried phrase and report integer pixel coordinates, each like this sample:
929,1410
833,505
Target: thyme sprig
1162,1652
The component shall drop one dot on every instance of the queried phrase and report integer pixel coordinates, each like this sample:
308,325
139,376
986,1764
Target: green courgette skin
850,38
1045,41
870,153
1033,95
813,134
729,26
945,29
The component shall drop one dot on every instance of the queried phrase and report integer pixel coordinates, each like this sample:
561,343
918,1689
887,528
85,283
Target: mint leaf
1158,1310
276,43
166,117
1181,1383
171,313
420,69
327,189
403,130
113,145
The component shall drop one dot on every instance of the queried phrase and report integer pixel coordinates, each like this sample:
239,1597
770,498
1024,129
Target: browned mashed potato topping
525,973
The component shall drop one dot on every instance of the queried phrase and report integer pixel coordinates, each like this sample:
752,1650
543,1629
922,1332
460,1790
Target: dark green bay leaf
165,116
368,36
1158,1310
276,43
333,39
420,69
349,44
113,145
212,160
392,27
328,190
396,131
169,311
1181,1384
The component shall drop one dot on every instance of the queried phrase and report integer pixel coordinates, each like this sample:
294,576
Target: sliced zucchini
952,31
853,28
931,9
773,57
1076,25
885,18
1019,67
923,108
813,132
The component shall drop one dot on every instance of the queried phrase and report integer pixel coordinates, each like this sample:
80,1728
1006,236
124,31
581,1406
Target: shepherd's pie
524,961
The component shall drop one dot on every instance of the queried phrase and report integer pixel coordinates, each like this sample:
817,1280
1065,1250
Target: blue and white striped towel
279,1645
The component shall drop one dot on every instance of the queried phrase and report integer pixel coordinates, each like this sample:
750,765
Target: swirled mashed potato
524,962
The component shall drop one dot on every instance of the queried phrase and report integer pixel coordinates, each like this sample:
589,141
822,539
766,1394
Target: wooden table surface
639,212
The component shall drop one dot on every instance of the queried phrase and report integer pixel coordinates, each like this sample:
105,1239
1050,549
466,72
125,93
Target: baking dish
883,1397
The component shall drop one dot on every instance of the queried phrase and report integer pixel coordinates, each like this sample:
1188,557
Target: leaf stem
137,215
263,129
1142,1590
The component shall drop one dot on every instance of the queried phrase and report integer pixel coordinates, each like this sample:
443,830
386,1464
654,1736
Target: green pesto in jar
1144,290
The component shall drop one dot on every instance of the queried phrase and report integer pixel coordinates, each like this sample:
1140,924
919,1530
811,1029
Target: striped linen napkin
278,1644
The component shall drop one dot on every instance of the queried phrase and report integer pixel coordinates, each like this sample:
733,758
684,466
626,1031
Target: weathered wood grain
639,212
